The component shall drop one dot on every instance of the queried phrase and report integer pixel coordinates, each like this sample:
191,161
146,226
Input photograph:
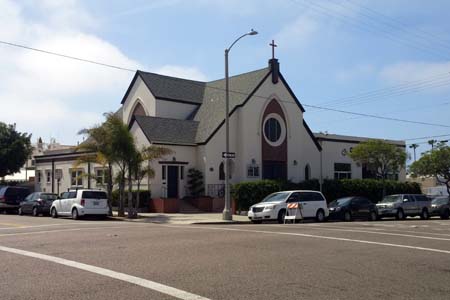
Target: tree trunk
122,194
138,195
131,213
109,188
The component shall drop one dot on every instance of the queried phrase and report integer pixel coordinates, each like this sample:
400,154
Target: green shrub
144,198
248,193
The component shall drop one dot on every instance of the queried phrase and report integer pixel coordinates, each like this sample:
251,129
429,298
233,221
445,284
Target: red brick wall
169,205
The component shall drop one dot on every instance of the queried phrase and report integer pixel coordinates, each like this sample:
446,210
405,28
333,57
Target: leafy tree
381,157
195,182
15,149
434,163
142,167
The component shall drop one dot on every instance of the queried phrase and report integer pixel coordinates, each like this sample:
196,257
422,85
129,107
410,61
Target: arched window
138,110
222,171
307,172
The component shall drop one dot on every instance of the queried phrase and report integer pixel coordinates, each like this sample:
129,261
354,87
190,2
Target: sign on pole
228,155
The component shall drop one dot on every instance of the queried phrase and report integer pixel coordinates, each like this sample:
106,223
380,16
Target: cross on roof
273,48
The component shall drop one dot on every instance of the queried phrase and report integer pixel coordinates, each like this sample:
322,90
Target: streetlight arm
229,48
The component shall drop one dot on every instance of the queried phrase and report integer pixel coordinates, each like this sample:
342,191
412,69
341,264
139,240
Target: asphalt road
44,258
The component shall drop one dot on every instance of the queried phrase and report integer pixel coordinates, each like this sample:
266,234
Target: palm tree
141,167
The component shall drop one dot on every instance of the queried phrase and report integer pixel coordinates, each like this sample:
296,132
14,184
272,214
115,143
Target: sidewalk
185,219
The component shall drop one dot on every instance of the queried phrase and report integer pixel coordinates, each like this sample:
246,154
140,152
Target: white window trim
283,129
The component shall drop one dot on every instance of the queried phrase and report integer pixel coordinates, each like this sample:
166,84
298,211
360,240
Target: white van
273,207
77,203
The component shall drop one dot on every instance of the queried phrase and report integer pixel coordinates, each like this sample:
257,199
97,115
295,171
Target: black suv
11,196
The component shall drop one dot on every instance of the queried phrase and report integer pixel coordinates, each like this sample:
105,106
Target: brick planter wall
168,205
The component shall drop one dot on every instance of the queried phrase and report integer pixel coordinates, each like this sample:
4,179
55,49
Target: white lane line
314,236
51,225
340,229
180,294
68,229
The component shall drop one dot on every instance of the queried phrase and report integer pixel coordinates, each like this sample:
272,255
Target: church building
268,135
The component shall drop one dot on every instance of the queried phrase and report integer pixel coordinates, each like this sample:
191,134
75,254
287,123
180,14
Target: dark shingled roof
168,131
174,88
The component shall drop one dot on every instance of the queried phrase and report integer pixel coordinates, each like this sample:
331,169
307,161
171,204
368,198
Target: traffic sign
228,154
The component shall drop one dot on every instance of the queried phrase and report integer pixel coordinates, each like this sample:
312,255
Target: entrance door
172,181
274,170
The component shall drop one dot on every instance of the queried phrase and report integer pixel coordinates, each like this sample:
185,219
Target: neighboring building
27,172
267,132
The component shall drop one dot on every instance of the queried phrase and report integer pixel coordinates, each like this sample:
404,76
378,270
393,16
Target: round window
274,130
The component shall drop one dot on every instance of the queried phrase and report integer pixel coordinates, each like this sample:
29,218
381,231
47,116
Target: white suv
77,203
273,207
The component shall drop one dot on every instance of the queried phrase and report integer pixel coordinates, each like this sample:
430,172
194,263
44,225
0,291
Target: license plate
96,203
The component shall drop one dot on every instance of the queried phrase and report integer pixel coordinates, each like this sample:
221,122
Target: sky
387,58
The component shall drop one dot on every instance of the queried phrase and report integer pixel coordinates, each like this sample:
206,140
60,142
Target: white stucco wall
139,92
332,153
174,110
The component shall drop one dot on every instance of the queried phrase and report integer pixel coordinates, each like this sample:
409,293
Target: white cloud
54,96
413,71
357,72
182,72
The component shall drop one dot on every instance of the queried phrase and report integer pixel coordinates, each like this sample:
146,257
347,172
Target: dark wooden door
274,170
172,182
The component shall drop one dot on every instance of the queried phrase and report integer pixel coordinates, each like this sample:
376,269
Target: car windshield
48,197
94,195
391,199
341,201
275,197
440,201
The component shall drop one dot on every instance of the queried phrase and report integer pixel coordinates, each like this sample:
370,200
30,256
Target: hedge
144,198
248,193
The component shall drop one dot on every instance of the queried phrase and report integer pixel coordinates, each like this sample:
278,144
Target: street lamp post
227,215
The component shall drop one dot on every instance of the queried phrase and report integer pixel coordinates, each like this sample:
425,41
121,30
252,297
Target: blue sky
329,51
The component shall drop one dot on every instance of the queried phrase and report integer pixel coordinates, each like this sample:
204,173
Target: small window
100,177
221,171
48,176
342,171
163,172
182,172
76,177
253,170
39,176
307,172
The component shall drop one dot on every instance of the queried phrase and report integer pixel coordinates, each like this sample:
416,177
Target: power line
232,91
427,137
67,56
365,26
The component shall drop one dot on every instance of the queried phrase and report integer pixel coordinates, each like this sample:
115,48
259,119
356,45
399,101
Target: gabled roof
170,88
212,112
167,131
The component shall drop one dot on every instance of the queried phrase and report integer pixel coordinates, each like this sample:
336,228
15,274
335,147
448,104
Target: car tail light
82,202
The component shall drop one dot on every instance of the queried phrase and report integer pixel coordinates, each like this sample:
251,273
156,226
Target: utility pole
414,146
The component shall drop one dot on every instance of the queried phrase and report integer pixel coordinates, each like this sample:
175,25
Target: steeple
274,64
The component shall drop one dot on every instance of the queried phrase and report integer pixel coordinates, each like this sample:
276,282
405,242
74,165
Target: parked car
350,208
440,206
82,202
37,203
273,207
11,196
403,205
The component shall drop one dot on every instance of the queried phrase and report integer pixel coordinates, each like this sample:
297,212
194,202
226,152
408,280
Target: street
44,258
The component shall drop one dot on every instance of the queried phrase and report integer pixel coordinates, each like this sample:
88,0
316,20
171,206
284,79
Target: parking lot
44,258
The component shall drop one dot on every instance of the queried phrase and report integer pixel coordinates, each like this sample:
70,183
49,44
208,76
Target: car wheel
256,221
373,216
281,215
424,215
445,215
75,214
400,215
54,213
20,213
320,216
347,216
35,212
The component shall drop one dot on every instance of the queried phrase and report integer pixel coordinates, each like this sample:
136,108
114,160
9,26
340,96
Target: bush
248,193
144,198
195,183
